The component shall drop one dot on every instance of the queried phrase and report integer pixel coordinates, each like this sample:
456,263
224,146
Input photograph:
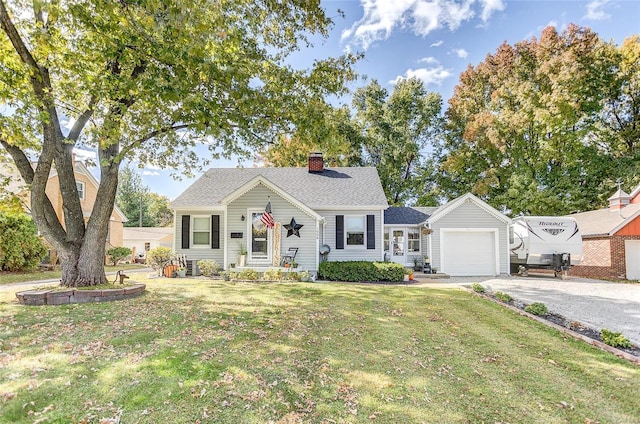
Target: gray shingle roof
333,187
605,221
397,215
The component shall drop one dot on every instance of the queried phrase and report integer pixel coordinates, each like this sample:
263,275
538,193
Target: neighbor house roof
606,222
147,233
409,215
332,188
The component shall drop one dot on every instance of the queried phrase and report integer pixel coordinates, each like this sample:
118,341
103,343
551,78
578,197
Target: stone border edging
597,343
72,296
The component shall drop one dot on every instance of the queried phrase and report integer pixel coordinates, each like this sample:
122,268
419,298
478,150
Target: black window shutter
371,231
215,231
339,231
186,230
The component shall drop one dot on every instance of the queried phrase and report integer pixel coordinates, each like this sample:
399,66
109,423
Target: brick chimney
316,162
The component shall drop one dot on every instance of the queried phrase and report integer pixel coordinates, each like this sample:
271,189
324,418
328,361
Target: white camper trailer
544,242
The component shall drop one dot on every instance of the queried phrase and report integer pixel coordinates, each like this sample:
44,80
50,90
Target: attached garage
469,238
469,252
632,259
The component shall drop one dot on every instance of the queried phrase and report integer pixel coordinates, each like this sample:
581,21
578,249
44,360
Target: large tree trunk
83,266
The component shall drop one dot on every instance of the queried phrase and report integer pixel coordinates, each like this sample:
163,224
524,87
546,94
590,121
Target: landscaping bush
476,287
503,297
158,256
209,267
117,254
21,249
614,339
361,271
272,274
248,274
536,308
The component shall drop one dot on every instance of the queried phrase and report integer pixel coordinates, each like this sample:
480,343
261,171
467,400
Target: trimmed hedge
361,271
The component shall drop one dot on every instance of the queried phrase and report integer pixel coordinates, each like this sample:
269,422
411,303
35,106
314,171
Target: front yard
194,350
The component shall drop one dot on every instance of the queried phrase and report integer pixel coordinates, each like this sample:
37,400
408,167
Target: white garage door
469,253
632,258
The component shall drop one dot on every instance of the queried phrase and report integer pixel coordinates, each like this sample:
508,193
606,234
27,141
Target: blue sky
436,40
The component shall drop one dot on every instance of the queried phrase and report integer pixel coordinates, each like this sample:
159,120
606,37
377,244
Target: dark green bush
361,271
117,254
536,308
21,248
614,339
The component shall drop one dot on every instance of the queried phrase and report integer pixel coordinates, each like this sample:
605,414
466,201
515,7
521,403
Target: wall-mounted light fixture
242,218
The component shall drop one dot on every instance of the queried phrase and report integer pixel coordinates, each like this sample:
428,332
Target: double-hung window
413,240
201,231
80,188
354,229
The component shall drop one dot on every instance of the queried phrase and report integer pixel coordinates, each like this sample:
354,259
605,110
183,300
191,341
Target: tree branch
21,160
82,120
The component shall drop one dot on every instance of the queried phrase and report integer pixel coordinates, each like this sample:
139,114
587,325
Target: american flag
267,217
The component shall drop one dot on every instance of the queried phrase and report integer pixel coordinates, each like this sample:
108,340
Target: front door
259,248
398,245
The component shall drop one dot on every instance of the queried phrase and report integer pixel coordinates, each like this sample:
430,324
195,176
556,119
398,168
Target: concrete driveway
598,304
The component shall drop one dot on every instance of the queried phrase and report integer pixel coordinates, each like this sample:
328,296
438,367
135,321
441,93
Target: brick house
611,238
87,189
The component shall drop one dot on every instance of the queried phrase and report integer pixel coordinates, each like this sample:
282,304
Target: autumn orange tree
146,80
546,125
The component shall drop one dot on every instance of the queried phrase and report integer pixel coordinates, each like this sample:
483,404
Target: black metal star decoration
293,228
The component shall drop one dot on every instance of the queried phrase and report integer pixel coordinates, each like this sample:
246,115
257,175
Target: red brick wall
617,267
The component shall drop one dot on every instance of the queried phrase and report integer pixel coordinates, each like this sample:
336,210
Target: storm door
259,248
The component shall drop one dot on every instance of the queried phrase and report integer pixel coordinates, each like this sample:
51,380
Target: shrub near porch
361,271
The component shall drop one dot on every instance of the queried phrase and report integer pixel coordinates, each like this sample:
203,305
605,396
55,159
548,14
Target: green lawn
217,352
41,274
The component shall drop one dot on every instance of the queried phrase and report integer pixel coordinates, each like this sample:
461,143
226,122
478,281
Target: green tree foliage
147,80
21,249
320,128
117,254
542,127
133,196
398,129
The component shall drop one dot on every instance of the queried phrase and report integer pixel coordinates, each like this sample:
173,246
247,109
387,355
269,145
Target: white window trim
419,252
346,233
191,231
81,191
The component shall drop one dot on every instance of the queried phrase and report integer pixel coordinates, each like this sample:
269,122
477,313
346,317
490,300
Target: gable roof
455,203
16,184
605,222
344,187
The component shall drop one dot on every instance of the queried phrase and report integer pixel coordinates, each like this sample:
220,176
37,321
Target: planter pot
406,277
242,260
182,273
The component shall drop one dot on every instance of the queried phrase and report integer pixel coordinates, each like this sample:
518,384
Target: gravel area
598,304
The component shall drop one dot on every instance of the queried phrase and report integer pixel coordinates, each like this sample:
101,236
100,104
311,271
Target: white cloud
150,173
462,53
83,155
421,17
596,12
437,43
429,60
428,75
490,6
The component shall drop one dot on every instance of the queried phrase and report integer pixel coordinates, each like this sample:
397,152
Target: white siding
352,253
470,215
255,200
199,252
